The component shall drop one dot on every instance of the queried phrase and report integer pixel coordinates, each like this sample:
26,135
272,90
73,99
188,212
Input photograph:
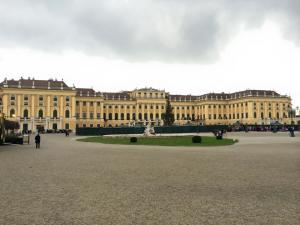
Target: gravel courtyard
66,182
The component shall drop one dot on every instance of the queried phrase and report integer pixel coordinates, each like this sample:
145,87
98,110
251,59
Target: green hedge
140,130
14,139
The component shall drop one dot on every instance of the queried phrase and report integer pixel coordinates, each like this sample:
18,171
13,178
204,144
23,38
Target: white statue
149,130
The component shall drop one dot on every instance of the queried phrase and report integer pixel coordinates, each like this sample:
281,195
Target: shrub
133,139
14,139
197,139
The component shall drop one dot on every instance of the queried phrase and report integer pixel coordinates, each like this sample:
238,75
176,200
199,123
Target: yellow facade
53,105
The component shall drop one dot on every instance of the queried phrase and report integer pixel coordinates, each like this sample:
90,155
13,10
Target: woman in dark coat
37,141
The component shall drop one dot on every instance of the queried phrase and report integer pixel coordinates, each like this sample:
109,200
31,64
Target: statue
149,130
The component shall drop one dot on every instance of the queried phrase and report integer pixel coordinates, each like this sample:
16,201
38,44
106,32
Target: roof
116,95
32,83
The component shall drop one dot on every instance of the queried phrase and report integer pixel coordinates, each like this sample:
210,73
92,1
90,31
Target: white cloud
259,59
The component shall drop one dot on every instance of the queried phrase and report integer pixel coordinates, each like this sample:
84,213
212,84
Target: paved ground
256,181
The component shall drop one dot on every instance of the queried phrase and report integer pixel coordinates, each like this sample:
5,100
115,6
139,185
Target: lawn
160,141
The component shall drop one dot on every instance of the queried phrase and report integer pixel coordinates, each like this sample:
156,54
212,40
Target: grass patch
160,141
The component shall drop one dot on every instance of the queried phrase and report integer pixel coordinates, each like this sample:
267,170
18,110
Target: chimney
49,86
19,85
33,84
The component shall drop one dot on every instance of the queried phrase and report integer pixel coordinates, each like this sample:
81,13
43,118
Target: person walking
37,140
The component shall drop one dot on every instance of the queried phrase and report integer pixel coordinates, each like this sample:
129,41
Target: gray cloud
165,30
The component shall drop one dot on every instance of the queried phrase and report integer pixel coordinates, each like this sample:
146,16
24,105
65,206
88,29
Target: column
19,113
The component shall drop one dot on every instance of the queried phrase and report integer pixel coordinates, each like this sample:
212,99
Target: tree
168,116
2,130
11,125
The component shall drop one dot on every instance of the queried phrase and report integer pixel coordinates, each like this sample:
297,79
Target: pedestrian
37,140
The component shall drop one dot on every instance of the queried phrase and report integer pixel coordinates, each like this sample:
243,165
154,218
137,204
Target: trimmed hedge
14,139
133,139
140,130
196,139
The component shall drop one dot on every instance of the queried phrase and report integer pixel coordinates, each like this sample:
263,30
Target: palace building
52,104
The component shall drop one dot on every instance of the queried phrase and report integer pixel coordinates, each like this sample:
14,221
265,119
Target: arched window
110,116
128,116
145,116
12,113
262,115
254,115
133,116
157,115
151,116
55,113
122,116
140,116
116,116
40,113
270,115
67,114
25,113
277,115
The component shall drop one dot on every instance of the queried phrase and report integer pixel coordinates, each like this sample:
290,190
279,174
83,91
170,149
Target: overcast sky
183,46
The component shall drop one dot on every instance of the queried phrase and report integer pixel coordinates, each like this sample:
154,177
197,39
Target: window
98,104
91,115
77,103
151,116
55,98
40,113
116,116
122,116
67,99
270,115
25,98
91,125
55,113
91,103
262,115
104,116
12,113
128,116
145,116
67,114
84,103
98,125
140,116
25,113
133,116
67,126
110,116
84,115
77,115
255,115
41,98
98,115
84,125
